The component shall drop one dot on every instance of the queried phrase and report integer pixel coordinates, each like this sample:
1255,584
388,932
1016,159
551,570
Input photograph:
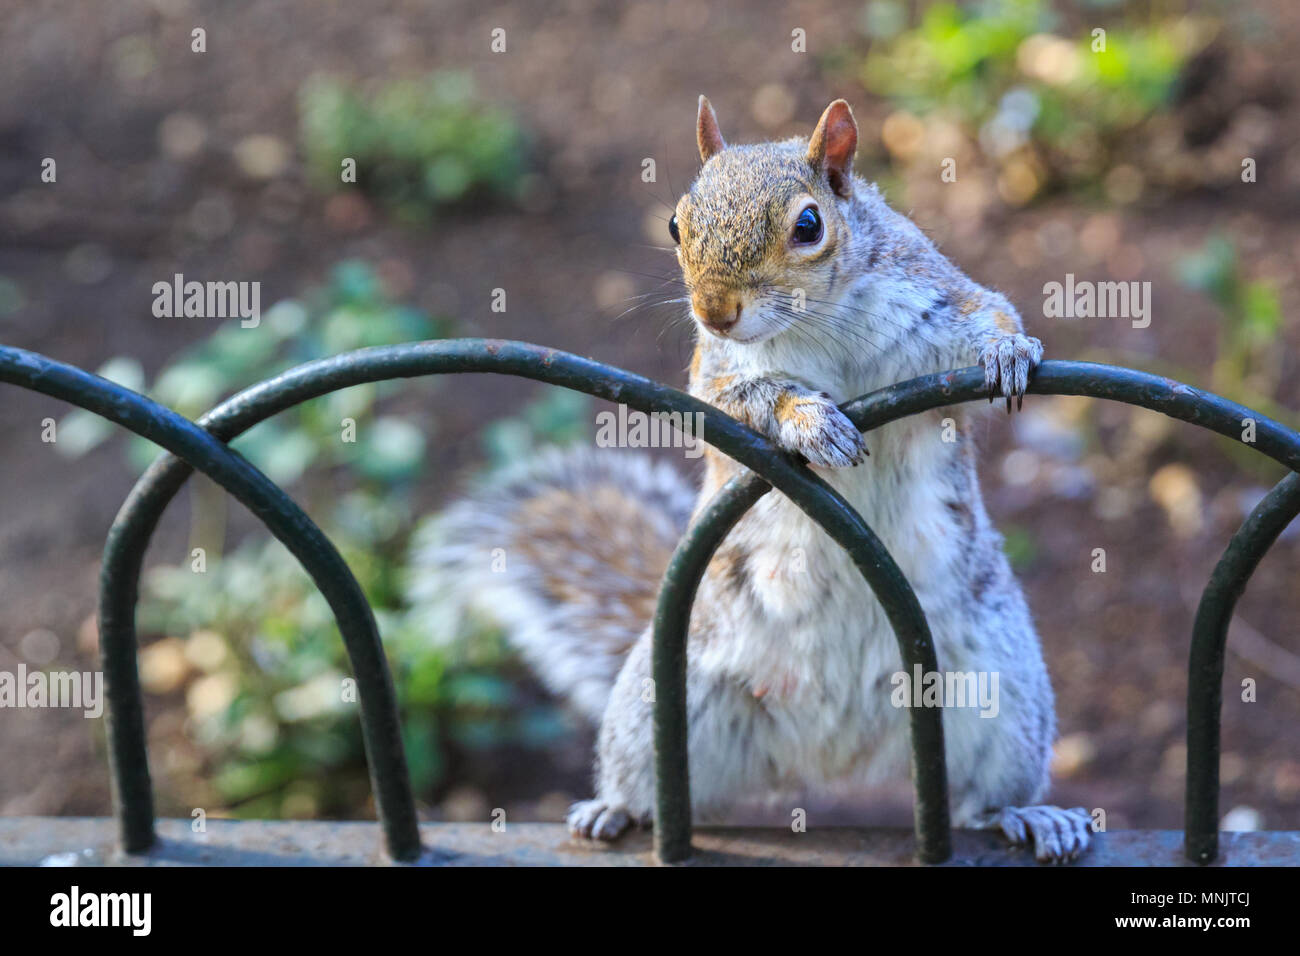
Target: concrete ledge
75,841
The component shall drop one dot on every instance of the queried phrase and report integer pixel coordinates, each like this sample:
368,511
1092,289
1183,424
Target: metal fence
201,446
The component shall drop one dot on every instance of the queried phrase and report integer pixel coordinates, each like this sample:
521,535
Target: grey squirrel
807,290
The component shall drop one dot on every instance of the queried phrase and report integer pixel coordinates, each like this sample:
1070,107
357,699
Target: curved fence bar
668,663
129,764
1052,378
1266,522
1159,394
123,555
1210,631
671,627
1205,662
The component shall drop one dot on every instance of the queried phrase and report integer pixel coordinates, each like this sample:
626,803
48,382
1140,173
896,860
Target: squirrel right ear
833,145
706,131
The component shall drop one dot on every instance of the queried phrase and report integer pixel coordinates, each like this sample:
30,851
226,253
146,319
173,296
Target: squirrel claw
1008,363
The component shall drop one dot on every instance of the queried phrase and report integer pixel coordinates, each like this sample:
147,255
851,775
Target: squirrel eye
808,227
672,230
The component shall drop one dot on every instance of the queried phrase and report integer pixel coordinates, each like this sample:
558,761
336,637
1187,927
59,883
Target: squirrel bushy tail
566,553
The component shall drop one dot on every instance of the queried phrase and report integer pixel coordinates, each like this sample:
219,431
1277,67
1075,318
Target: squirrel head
759,231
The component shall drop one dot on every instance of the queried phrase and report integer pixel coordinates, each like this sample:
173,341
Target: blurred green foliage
1020,545
1024,93
263,662
350,312
419,144
558,417
1247,360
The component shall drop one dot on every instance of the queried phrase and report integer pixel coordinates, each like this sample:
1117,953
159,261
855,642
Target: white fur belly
817,648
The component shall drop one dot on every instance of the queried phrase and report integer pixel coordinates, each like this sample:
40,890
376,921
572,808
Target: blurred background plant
350,311
419,144
1247,362
248,641
1095,107
1047,110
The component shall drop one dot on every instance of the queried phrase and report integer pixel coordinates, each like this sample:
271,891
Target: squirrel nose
719,313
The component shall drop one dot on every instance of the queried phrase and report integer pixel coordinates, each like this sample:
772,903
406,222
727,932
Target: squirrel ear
706,131
833,145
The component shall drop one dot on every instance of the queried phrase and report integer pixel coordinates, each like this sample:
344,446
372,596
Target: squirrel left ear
707,135
833,145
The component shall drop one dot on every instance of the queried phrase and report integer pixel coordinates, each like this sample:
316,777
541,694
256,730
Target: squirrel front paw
1008,362
812,425
598,820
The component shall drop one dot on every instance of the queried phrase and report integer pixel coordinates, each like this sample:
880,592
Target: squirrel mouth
733,339
727,335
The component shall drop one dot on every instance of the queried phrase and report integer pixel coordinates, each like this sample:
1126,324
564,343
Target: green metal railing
201,446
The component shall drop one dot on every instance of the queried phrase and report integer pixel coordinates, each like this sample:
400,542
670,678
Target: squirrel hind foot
598,820
1058,836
